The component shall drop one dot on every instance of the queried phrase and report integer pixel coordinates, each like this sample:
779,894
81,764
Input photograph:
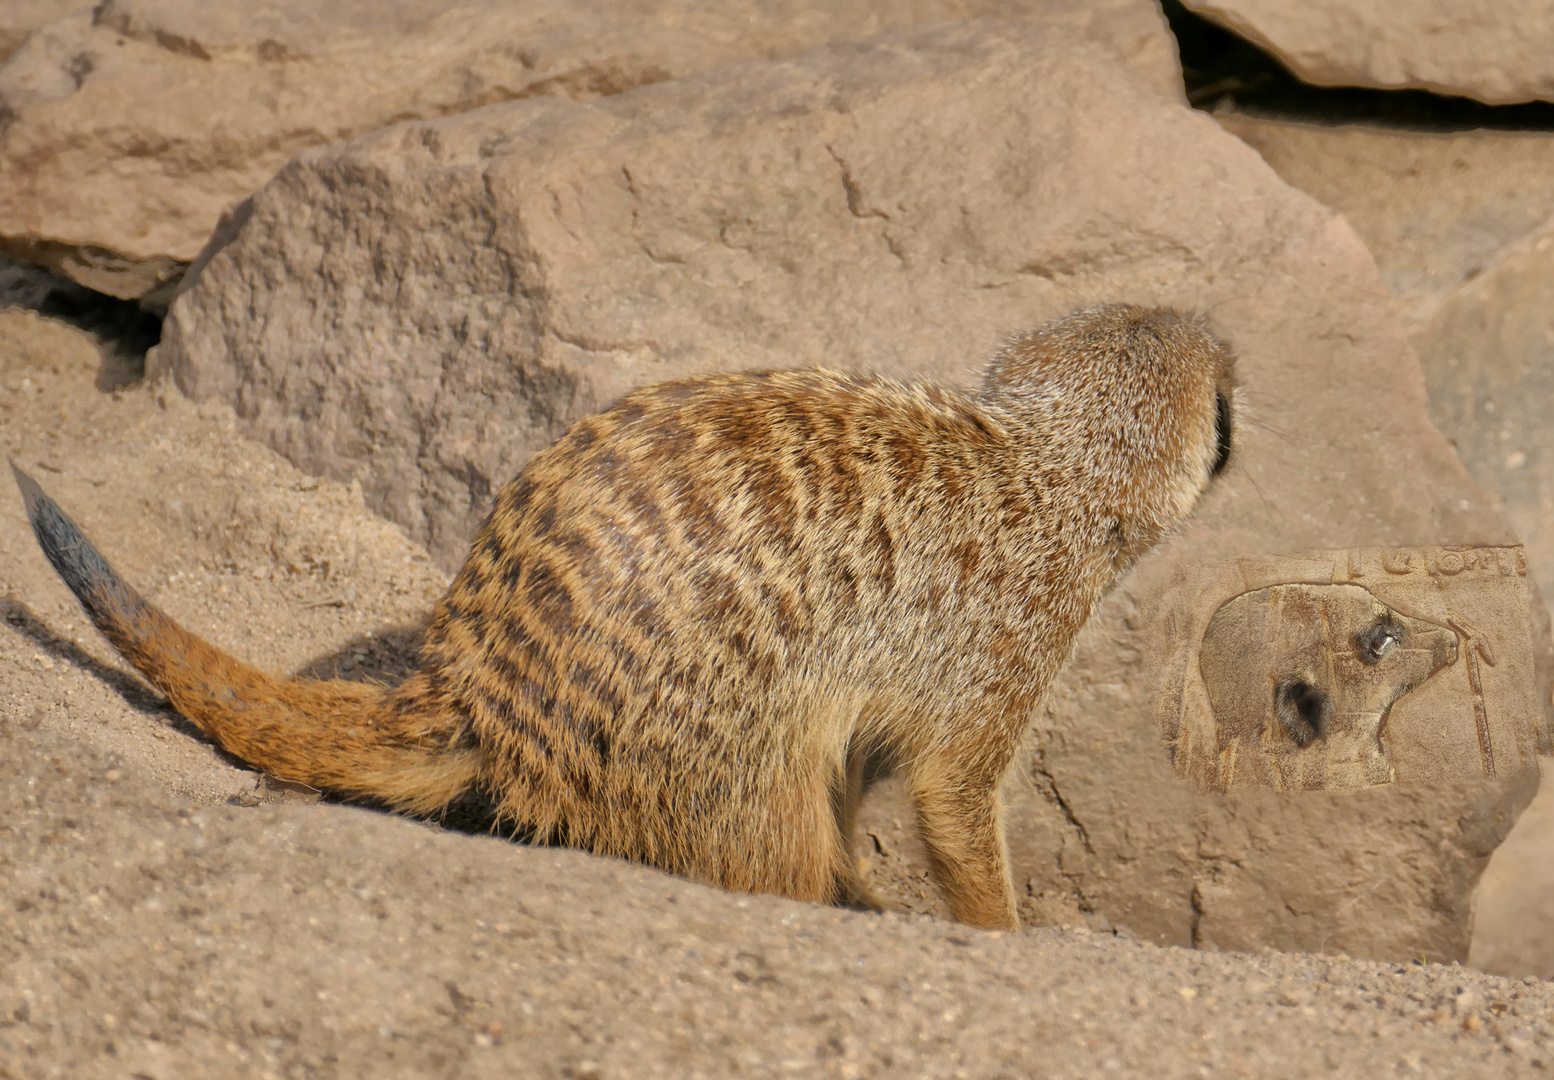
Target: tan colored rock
1488,355
1513,924
19,18
135,124
424,307
1441,213
1498,55
529,264
1435,208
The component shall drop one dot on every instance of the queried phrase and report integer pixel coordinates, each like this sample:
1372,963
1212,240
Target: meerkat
685,625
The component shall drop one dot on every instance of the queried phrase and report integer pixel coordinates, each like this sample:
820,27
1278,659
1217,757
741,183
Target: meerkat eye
1376,641
1221,434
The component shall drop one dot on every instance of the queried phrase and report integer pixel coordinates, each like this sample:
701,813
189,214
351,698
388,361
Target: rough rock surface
1488,356
1436,209
19,18
1459,225
132,126
423,307
1497,55
1513,923
427,305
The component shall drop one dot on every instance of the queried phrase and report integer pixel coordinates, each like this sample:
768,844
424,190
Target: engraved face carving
1301,678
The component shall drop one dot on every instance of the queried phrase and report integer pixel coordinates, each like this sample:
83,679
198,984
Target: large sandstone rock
427,305
1497,54
1459,226
1488,355
130,127
424,307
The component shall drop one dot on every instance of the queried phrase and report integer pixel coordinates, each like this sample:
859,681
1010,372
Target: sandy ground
144,936
168,913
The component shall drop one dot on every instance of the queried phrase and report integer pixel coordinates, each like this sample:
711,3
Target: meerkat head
1138,402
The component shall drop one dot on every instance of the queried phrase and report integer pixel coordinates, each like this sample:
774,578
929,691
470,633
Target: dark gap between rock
1223,71
124,330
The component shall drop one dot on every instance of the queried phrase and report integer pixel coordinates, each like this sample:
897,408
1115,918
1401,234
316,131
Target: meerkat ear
1306,711
1222,434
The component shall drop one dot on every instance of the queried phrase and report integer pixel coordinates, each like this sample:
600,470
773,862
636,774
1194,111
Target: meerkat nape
1136,400
685,625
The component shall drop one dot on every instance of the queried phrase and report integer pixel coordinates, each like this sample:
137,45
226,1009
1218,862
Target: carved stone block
1348,669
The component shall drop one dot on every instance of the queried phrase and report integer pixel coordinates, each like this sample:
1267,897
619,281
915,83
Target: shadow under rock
1222,70
125,331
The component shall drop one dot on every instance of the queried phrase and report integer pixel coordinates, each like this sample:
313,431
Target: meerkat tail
340,736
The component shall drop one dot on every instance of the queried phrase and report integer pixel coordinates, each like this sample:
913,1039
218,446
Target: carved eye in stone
1377,640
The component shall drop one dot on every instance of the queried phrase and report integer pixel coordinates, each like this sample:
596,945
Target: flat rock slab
133,125
1498,54
145,937
1460,228
1436,209
1488,355
424,307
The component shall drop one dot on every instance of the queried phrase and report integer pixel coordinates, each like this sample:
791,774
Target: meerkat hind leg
787,843
962,827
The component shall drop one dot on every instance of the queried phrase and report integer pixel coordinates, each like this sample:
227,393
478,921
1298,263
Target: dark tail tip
68,551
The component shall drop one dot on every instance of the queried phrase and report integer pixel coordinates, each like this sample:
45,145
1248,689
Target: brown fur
685,625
